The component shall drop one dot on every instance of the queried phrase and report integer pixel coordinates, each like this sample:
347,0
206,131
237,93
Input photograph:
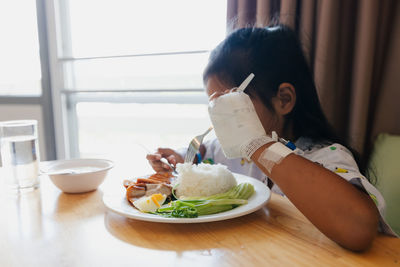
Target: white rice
203,180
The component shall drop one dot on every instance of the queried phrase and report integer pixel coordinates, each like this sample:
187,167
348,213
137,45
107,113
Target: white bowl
78,175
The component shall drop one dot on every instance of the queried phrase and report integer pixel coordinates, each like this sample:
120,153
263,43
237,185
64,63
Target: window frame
65,100
45,99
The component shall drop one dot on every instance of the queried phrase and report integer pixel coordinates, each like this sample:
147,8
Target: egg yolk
157,198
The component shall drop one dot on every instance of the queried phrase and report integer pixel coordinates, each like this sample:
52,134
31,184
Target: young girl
318,175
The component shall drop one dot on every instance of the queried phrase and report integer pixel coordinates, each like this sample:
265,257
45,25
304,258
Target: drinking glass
19,154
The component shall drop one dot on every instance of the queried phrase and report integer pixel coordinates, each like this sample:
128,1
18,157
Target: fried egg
150,203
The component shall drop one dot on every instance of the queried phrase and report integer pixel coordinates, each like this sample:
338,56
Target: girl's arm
336,207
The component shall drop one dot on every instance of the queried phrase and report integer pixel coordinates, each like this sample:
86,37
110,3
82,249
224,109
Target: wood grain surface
49,228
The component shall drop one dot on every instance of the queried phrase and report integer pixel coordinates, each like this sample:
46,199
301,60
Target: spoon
63,172
163,160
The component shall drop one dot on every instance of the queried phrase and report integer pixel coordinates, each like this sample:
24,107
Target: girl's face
269,120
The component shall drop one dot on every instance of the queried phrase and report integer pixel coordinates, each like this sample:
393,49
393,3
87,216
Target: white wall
26,112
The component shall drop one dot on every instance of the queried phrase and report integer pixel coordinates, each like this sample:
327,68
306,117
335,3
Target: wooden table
50,228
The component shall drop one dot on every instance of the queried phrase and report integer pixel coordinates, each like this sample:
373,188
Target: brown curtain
353,47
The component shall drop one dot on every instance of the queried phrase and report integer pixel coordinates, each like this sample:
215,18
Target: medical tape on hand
273,155
255,144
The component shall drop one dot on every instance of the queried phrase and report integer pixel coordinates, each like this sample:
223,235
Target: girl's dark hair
275,56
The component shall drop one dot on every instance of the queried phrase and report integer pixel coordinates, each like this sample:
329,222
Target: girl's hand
171,155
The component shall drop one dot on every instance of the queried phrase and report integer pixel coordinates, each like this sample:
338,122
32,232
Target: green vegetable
198,206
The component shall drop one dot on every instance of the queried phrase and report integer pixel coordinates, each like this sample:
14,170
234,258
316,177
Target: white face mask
235,120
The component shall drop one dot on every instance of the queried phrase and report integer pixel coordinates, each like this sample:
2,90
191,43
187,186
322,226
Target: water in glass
19,158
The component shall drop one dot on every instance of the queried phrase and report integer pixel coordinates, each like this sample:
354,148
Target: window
132,73
24,69
19,50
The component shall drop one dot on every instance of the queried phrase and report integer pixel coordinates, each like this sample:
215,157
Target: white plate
117,202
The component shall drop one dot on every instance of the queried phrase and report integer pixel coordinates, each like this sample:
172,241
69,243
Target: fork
194,146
